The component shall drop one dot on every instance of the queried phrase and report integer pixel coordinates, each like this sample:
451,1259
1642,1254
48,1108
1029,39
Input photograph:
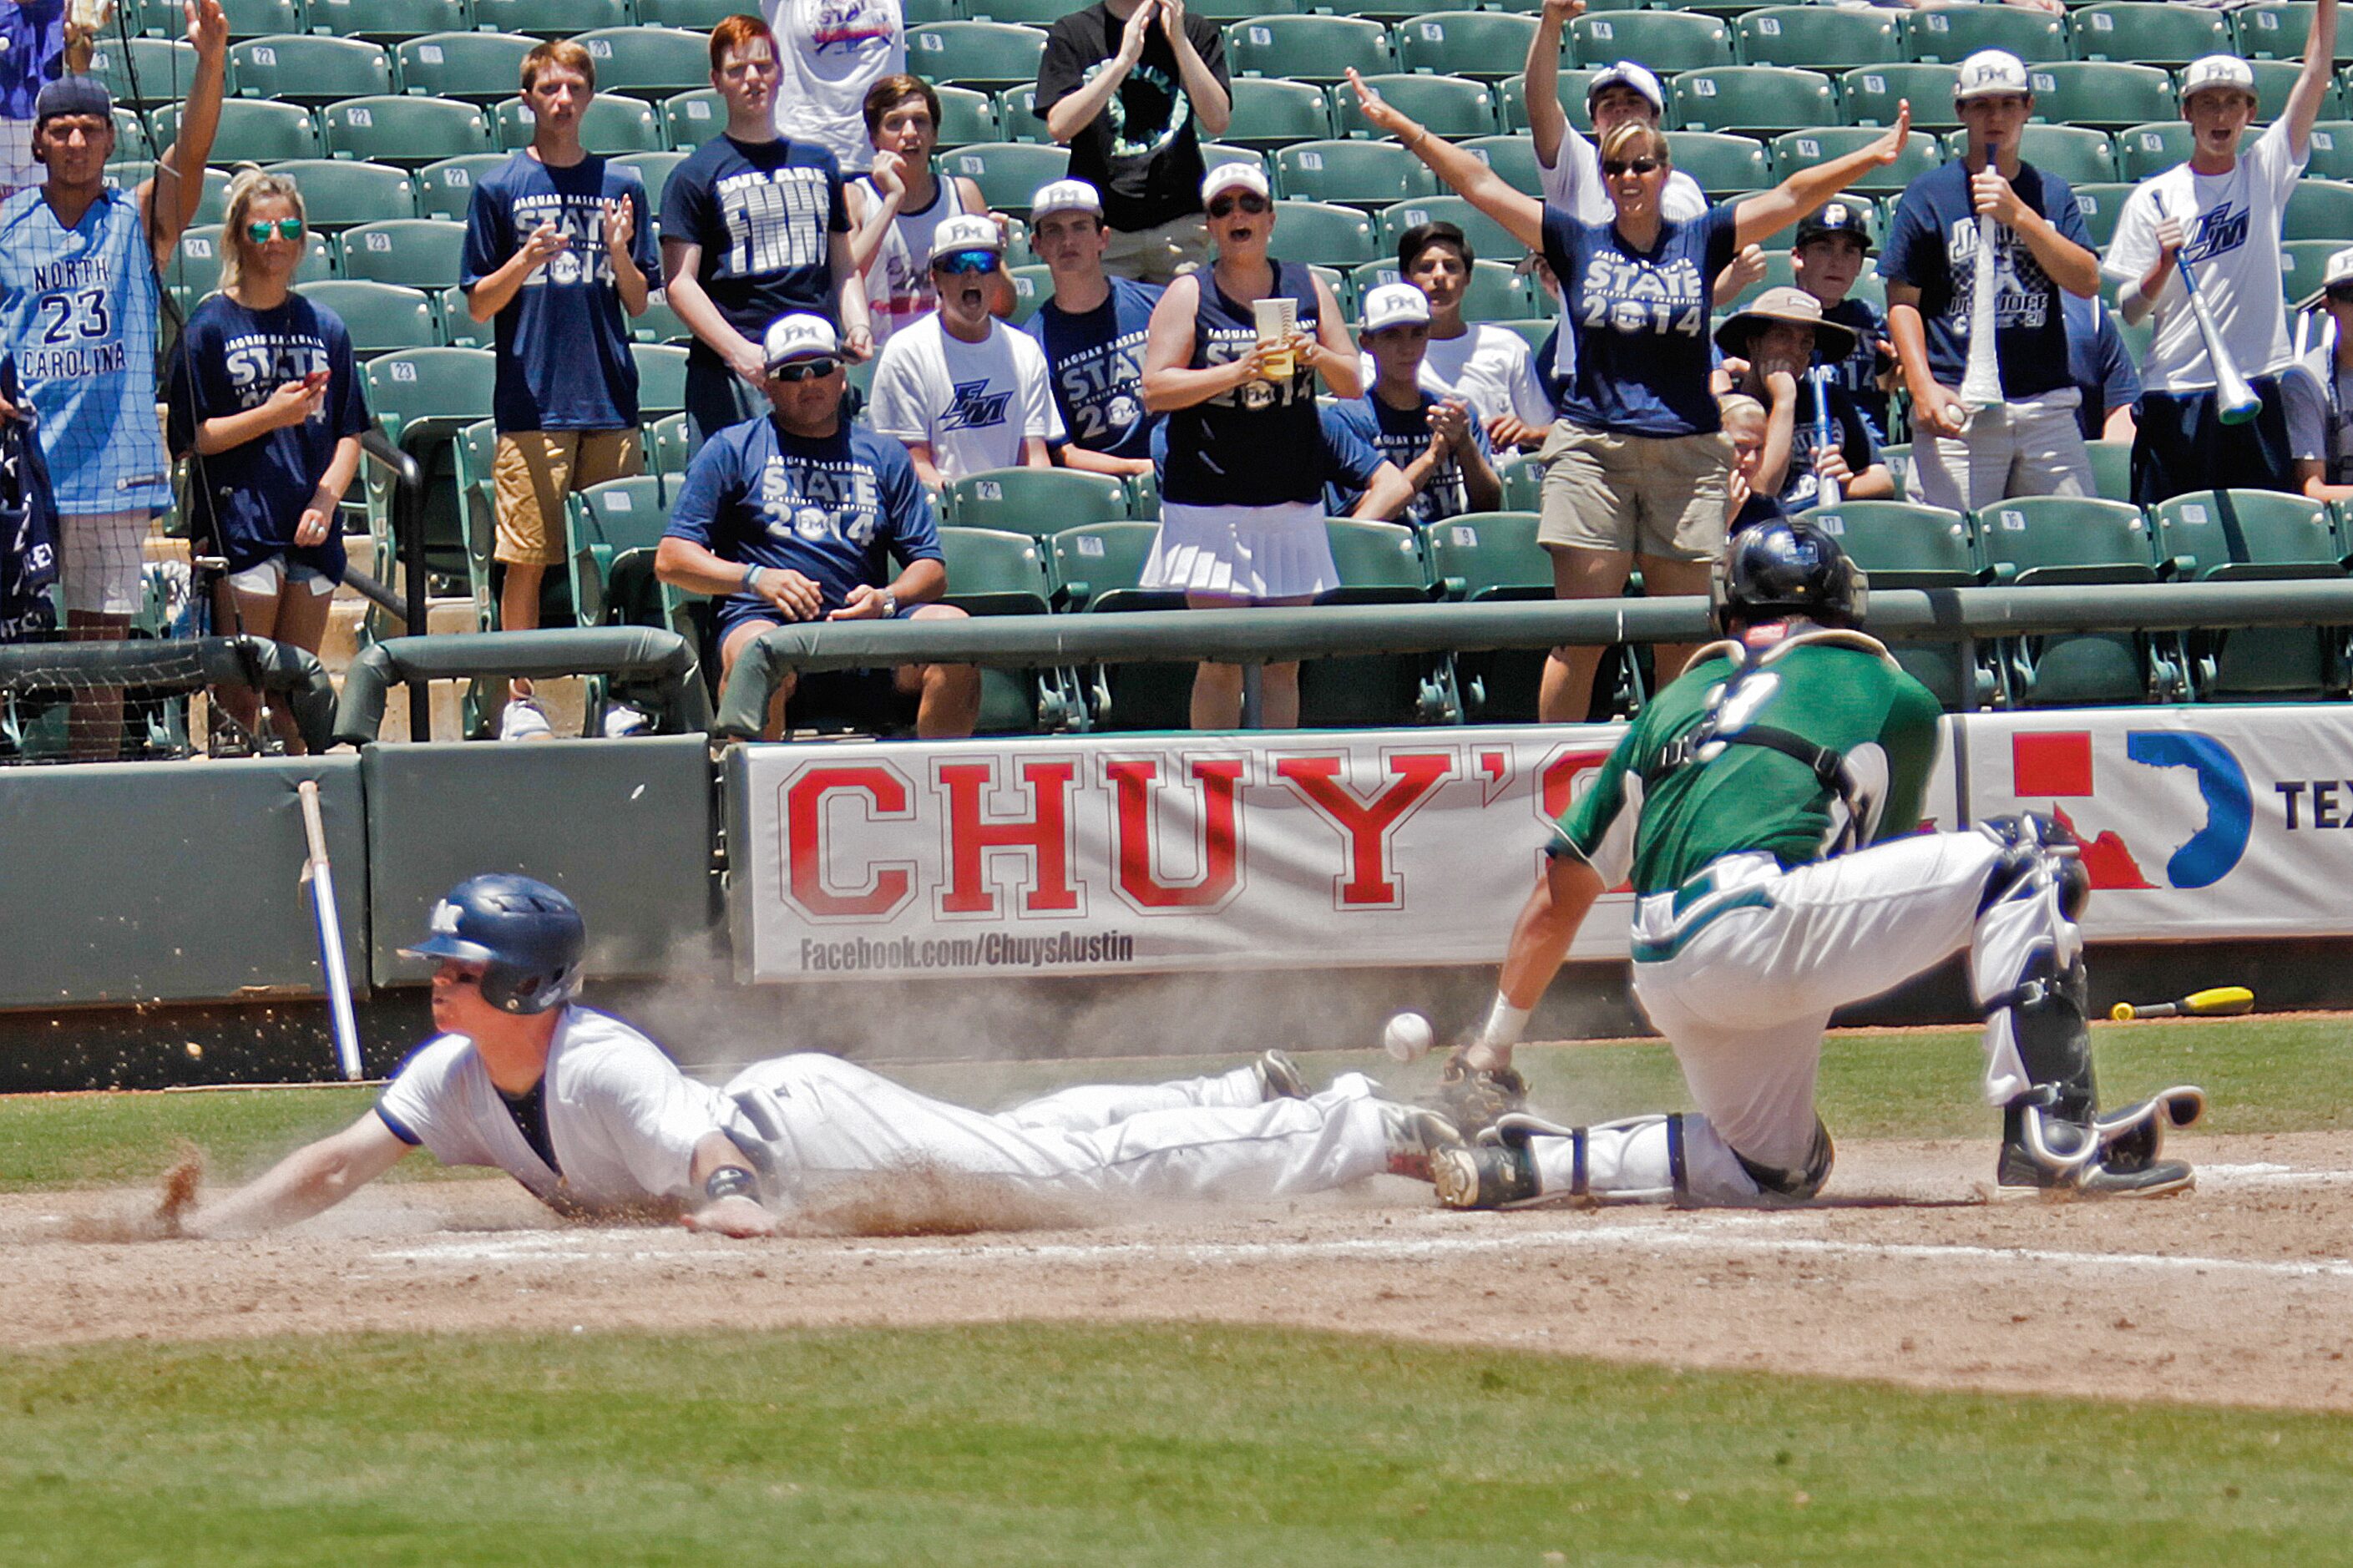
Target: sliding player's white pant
820,1119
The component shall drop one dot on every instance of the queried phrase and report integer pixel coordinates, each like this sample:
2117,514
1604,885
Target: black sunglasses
1614,166
805,369
1250,202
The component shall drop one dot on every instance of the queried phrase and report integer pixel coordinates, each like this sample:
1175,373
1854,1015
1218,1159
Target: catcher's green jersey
1661,810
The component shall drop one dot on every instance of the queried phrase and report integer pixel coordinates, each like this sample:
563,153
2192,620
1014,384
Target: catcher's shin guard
1678,1159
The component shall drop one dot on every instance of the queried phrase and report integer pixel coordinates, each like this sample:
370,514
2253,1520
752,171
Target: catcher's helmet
527,935
1786,566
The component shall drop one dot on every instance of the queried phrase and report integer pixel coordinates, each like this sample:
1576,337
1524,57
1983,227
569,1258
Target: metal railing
647,664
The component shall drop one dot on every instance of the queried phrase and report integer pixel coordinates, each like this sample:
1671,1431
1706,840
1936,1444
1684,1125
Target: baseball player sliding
1766,806
592,1116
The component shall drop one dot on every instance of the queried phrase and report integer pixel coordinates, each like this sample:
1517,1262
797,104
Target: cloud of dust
175,1197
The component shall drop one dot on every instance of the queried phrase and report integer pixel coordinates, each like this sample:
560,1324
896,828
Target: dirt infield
2237,1294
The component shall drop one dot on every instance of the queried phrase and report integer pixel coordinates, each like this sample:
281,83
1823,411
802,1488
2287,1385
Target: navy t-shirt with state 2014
1094,362
1641,322
763,213
831,509
1402,435
1932,244
253,495
564,339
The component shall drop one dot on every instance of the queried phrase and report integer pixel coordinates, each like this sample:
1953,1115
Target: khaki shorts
1159,255
1661,496
535,469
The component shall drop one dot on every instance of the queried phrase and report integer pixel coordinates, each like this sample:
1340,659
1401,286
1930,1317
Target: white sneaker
620,722
524,719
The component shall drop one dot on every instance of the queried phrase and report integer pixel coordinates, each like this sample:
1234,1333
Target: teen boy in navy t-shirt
1093,331
1438,444
794,516
1828,253
559,250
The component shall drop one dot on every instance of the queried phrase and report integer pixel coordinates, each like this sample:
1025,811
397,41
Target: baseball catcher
593,1117
1766,806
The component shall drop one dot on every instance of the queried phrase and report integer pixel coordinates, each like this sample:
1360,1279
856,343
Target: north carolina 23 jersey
1836,689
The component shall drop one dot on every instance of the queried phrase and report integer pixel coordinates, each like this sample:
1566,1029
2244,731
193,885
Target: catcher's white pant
1206,1137
1749,969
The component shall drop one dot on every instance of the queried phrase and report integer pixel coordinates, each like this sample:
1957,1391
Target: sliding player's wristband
731,1182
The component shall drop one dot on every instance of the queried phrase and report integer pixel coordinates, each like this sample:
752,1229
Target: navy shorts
2183,446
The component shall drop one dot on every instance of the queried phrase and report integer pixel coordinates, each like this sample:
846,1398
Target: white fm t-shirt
1490,368
621,1118
2231,224
972,403
833,50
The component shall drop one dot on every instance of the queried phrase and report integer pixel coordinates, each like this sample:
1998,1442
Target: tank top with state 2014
1258,444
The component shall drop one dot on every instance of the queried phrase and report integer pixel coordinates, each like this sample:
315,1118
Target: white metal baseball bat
1826,490
322,877
2233,398
1981,383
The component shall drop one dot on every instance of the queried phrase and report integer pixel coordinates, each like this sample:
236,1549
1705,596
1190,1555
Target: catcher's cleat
1485,1176
1279,1077
2116,1155
1417,1137
2021,1176
1475,1097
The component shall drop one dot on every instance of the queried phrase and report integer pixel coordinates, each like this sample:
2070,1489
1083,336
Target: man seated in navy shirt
789,517
1092,331
1437,444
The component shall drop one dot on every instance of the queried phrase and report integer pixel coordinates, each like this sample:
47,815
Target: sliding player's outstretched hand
737,1216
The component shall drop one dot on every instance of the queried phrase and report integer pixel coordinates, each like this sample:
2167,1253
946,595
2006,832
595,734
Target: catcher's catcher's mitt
1472,1097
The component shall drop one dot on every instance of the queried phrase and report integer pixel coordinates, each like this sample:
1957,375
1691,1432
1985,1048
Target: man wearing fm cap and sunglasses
789,518
962,390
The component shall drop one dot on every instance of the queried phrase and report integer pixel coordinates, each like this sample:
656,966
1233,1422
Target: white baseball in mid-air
1407,1037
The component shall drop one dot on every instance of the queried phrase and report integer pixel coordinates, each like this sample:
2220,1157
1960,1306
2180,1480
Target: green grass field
1133,1444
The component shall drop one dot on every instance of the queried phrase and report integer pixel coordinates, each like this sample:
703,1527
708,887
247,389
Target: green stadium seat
338,194
2078,157
695,15
2112,460
2274,79
388,21
661,378
1947,34
251,131
2319,209
446,189
1484,557
1307,48
1868,95
1487,237
1008,172
1351,174
130,134
481,68
1666,41
127,173
998,574
653,169
2100,93
1486,44
551,19
423,400
610,124
195,271
915,13
2281,31
1817,37
1496,290
470,457
408,132
2153,35
246,19
605,523
298,69
147,70
381,317
2146,150
459,328
1391,13
2303,264
1023,13
966,114
1531,330
1097,568
2063,541
1032,287
659,324
1902,545
1721,164
691,118
1377,563
1803,149
1271,113
1322,233
1038,502
1226,12
1751,98
648,62
418,253
976,53
1015,109
2101,205
669,447
1453,107
1216,152
2223,536
1511,106
1897,456
1514,157
2332,151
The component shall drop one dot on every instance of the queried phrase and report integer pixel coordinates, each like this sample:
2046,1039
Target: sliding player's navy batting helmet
526,934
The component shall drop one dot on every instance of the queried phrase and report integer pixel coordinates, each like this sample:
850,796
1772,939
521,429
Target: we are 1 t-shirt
1094,362
1402,435
564,339
1640,322
763,213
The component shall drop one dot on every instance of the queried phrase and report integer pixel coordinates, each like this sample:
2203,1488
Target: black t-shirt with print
1141,151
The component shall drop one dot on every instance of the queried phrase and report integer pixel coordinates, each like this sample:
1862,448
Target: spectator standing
1828,255
2319,390
39,42
1130,86
792,517
1241,518
559,250
2102,368
1437,443
895,210
265,395
833,52
754,227
1779,336
962,390
2220,213
81,296
1488,368
1637,461
1092,331
2029,444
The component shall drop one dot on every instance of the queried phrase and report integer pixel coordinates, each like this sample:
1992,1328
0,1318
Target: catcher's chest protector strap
1828,767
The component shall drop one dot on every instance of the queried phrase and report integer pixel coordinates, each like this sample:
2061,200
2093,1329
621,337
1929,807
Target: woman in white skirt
1240,455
